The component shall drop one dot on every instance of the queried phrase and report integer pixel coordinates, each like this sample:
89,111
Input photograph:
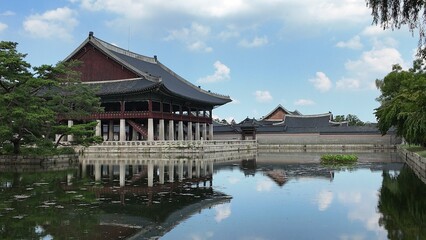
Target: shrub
338,158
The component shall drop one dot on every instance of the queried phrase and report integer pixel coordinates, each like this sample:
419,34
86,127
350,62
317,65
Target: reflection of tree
33,205
402,203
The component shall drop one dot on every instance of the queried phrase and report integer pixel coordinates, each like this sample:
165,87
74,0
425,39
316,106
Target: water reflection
240,195
402,203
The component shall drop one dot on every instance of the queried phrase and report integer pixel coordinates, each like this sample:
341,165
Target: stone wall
38,160
371,140
415,161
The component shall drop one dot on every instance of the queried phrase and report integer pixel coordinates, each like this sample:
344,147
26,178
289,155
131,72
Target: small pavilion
142,98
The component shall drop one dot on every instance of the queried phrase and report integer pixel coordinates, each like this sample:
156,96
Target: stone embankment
323,147
416,162
181,147
29,160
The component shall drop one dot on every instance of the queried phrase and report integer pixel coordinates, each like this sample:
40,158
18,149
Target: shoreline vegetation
338,159
416,149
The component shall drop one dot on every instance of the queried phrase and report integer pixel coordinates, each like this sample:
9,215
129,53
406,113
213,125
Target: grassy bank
415,148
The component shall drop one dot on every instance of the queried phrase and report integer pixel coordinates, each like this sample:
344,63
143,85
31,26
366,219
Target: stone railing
172,146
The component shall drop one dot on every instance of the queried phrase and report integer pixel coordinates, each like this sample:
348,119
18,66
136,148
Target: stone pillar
97,172
211,167
197,168
197,131
122,129
150,129
122,174
111,130
134,134
70,124
204,169
98,129
161,130
189,169
180,170
211,131
204,134
111,172
83,169
171,130
171,171
161,171
150,174
180,131
190,138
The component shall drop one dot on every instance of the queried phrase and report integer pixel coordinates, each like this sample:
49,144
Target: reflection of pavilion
156,168
155,192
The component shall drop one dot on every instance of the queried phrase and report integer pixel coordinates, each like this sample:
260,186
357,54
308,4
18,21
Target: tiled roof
123,86
152,70
307,121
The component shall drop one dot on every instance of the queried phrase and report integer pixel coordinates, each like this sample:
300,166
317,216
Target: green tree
352,120
70,99
403,103
23,115
339,118
396,13
31,103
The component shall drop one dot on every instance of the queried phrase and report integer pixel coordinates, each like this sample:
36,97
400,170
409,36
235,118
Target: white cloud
3,27
304,102
348,83
221,73
321,82
295,12
335,11
376,61
256,42
353,43
264,186
222,212
233,180
58,23
7,13
263,96
373,30
325,198
231,32
193,37
371,65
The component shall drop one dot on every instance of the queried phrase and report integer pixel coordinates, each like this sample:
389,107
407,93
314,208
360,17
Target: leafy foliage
32,101
402,205
403,103
396,13
338,158
352,120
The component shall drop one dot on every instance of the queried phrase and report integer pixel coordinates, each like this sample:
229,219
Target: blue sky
314,56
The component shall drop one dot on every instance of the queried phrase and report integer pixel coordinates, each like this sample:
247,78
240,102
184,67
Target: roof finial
90,34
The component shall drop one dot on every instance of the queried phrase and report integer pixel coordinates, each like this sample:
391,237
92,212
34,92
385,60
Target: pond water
214,196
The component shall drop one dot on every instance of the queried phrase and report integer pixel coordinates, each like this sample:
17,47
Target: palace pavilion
143,99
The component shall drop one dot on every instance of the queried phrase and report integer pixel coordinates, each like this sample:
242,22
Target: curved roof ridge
115,80
309,116
110,49
188,82
125,52
275,109
279,123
